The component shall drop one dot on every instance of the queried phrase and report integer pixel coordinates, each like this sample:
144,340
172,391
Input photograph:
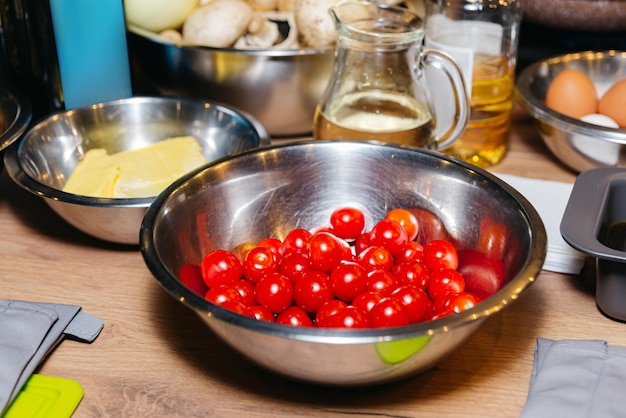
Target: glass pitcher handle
452,71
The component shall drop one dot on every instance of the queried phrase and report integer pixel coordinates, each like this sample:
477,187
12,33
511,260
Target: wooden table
155,358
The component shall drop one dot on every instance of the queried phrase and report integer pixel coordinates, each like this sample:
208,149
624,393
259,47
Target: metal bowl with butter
45,158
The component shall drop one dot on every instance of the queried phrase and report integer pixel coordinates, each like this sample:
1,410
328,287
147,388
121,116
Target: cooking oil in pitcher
376,116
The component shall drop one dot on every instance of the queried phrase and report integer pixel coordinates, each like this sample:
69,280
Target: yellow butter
142,172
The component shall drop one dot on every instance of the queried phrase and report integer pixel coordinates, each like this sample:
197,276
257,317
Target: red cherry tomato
350,317
191,276
246,290
416,302
347,222
325,251
412,273
445,281
295,317
463,301
406,219
275,292
296,240
493,239
412,251
327,309
312,290
483,275
348,280
259,262
388,312
430,226
440,254
362,243
373,258
271,243
367,300
238,307
294,264
381,281
390,235
220,267
221,294
262,313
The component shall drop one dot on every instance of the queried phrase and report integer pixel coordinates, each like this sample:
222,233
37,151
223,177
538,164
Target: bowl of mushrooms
270,58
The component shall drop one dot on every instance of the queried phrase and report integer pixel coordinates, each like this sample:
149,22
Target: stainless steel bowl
279,87
48,153
579,145
267,192
15,115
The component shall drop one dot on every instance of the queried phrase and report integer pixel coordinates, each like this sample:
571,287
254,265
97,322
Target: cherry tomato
390,235
430,226
406,219
350,317
412,251
238,307
294,264
191,276
262,313
246,290
259,262
312,290
445,281
412,273
275,292
463,301
367,300
493,239
296,240
381,281
347,222
348,279
220,294
483,275
362,242
373,258
416,302
271,243
220,267
325,251
295,317
388,312
440,254
327,309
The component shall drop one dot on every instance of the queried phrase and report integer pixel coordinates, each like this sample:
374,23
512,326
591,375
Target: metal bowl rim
525,277
22,119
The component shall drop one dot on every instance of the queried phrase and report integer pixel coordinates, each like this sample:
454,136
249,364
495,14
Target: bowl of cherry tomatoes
378,259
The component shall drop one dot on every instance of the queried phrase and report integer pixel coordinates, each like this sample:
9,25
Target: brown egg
613,103
573,94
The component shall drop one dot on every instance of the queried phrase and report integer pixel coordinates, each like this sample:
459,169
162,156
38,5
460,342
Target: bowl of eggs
578,101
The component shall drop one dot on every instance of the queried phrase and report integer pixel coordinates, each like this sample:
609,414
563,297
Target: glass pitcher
378,91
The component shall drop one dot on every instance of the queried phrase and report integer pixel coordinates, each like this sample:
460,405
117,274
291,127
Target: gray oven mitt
577,379
28,332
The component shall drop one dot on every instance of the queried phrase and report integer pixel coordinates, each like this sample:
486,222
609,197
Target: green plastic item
46,397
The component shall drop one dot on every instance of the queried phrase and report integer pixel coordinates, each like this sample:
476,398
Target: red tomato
348,279
412,251
362,242
296,240
294,264
312,290
262,313
440,254
388,312
259,262
493,239
416,302
350,317
430,226
367,300
238,307
373,258
483,275
275,292
246,290
463,301
325,251
220,294
445,281
191,276
381,281
412,273
271,243
220,267
390,235
406,219
327,309
347,222
295,317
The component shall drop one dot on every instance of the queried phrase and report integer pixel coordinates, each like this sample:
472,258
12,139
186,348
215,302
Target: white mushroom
263,5
261,34
218,24
316,27
286,5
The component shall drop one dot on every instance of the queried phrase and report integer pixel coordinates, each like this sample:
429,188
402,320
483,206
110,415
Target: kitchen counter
155,358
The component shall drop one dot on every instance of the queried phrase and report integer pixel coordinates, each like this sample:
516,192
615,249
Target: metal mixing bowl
15,115
48,153
280,87
267,192
579,145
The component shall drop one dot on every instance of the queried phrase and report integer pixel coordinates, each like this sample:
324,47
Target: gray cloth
29,331
577,379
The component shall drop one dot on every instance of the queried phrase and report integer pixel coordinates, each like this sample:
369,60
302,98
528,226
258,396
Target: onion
158,15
